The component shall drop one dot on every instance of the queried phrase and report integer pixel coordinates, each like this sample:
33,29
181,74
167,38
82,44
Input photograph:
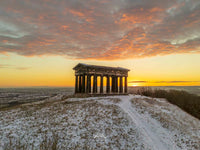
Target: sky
42,40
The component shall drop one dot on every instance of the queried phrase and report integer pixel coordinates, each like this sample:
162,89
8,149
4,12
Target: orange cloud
99,30
76,13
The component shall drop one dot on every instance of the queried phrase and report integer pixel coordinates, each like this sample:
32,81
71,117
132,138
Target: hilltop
111,122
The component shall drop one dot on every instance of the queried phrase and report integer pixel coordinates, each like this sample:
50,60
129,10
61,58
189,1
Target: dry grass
46,144
67,124
186,101
172,118
115,100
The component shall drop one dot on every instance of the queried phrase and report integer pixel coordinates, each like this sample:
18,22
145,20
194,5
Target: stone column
76,84
80,88
89,83
116,84
108,85
95,84
112,85
121,86
125,84
83,84
101,84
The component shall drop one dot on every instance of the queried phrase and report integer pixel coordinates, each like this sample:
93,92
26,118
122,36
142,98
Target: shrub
186,101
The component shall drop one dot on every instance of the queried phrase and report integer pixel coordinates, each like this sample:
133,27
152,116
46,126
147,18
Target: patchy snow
154,136
112,122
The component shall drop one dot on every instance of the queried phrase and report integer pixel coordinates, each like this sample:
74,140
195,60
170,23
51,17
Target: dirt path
154,135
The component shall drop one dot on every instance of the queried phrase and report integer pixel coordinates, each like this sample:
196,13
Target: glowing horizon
43,71
41,41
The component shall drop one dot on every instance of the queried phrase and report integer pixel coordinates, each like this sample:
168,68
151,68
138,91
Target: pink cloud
99,29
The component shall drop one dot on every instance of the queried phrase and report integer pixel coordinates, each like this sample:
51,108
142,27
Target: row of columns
80,82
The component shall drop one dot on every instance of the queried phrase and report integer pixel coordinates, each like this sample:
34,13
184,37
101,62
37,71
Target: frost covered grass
183,128
76,124
112,122
186,101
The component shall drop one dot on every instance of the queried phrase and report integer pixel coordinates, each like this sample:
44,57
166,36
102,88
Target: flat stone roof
99,67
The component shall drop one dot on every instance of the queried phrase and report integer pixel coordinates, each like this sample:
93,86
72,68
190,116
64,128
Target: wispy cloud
22,68
13,67
137,82
5,66
100,29
176,81
164,81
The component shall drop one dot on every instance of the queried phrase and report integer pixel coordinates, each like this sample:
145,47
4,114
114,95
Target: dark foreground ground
109,122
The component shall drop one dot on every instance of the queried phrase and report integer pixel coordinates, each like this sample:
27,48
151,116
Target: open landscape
99,74
111,122
14,96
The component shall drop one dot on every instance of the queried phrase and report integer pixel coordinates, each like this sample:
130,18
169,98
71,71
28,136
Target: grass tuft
186,101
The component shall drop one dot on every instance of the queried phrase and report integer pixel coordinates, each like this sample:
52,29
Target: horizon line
91,86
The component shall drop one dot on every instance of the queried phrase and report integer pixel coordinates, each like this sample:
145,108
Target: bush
186,101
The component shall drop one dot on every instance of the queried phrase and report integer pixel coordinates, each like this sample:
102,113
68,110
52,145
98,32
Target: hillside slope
112,122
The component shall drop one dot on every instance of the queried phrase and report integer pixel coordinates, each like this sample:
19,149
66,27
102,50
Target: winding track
154,135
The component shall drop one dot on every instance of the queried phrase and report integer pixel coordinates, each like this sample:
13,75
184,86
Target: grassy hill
112,122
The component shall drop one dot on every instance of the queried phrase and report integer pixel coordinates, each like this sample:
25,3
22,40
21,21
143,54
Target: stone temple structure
116,79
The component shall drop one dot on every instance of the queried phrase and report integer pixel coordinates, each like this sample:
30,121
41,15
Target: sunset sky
42,40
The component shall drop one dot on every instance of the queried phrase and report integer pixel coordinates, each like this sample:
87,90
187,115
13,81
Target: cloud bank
104,29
